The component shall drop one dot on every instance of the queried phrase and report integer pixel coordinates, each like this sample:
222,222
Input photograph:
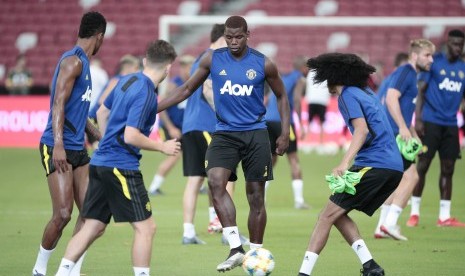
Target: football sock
65,267
232,235
255,245
189,230
139,271
212,213
308,263
267,184
298,187
393,215
362,251
156,183
76,271
382,216
42,259
444,209
415,205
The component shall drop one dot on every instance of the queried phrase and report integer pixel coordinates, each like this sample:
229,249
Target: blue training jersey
238,87
176,112
93,110
380,148
290,80
198,114
403,79
132,103
76,108
444,92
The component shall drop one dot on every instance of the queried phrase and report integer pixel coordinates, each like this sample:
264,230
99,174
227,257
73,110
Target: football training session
232,137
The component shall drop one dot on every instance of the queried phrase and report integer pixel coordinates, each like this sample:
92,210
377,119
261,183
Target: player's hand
282,143
171,147
59,159
419,127
340,169
405,134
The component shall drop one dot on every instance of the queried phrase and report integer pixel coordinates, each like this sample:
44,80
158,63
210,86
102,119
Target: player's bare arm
358,139
419,127
102,118
299,91
92,130
134,137
276,84
208,92
70,69
172,129
188,88
392,103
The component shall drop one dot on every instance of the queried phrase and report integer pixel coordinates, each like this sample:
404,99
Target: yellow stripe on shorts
162,134
291,134
46,158
207,137
363,171
124,183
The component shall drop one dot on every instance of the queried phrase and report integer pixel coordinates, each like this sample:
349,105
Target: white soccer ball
258,262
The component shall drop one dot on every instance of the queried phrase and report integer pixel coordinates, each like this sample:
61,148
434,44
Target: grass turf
25,208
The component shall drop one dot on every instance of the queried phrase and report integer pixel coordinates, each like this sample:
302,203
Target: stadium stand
136,22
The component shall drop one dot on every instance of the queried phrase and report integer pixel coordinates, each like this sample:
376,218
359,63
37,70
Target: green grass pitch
25,208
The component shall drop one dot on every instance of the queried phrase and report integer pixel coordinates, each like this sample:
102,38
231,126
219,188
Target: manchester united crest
251,74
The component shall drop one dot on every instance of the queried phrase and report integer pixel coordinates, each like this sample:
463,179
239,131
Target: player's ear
144,62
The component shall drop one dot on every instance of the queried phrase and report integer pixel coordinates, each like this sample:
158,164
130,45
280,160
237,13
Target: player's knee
62,217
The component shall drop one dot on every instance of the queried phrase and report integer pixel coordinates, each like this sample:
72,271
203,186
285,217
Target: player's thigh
96,205
256,157
224,151
194,148
431,140
375,186
274,130
127,196
449,147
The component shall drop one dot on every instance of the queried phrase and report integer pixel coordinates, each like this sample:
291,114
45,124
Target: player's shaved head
340,69
235,22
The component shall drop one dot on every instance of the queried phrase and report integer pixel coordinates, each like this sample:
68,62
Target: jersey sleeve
142,104
402,80
352,105
109,100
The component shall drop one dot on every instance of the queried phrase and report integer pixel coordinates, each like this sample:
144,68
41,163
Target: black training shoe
375,271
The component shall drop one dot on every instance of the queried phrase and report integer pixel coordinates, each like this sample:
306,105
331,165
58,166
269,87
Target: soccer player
401,92
373,146
400,59
439,95
295,84
317,97
238,77
171,121
128,64
116,186
62,148
198,125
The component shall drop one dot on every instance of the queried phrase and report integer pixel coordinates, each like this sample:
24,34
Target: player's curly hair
340,69
92,23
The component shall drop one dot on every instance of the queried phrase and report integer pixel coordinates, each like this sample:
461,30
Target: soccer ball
258,262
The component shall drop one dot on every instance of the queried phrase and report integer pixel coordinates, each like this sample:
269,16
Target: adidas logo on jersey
223,73
450,85
86,96
236,89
